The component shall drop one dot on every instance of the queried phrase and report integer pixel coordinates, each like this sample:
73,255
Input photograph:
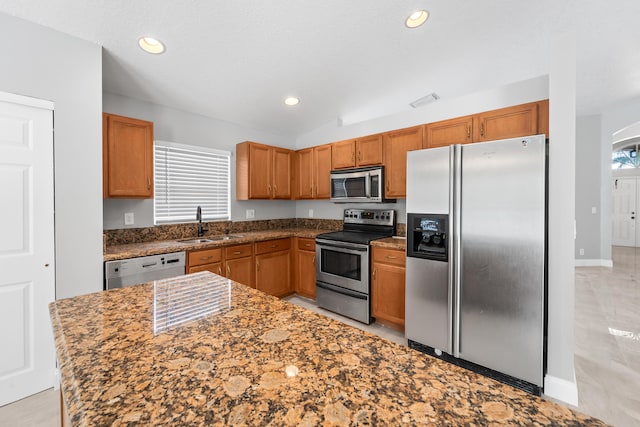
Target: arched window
625,157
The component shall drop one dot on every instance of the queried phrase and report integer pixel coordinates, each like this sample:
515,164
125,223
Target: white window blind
187,177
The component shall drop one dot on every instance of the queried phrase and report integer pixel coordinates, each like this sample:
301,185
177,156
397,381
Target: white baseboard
594,263
561,389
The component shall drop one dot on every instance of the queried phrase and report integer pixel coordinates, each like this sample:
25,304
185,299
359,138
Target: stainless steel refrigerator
476,256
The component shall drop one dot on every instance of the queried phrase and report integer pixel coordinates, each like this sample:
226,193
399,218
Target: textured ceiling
237,60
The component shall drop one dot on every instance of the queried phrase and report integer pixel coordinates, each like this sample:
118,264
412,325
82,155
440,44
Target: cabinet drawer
206,256
306,244
238,251
272,246
389,256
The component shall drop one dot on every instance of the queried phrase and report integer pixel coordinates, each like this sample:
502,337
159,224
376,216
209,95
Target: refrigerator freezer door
429,294
502,256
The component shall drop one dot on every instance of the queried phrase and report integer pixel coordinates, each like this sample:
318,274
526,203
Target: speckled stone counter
257,360
132,250
399,243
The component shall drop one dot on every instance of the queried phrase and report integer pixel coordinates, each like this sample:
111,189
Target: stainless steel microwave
361,185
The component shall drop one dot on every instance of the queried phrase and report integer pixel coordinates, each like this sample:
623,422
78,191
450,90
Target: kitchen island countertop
255,360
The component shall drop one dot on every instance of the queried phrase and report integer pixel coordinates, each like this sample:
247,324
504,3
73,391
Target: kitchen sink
195,241
211,239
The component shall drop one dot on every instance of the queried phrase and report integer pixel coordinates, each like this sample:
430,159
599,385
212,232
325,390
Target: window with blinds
186,177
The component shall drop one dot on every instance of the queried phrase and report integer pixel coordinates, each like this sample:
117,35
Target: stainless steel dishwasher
133,271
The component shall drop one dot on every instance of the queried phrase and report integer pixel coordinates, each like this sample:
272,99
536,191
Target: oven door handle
359,248
341,290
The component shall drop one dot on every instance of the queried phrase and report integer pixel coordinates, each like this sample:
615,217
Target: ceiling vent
425,100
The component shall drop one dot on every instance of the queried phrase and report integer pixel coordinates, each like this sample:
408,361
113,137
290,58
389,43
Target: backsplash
188,230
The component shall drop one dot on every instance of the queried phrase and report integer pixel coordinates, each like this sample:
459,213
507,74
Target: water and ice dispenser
428,236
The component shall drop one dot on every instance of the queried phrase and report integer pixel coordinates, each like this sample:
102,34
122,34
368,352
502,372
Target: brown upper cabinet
448,132
127,157
365,151
262,172
313,167
396,144
511,122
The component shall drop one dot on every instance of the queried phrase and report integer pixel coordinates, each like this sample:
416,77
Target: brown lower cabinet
273,267
388,286
233,262
305,267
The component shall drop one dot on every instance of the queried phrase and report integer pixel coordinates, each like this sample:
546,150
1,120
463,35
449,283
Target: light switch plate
594,210
129,218
251,213
310,213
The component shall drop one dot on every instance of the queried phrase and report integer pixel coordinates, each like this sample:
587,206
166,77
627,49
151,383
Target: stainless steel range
343,257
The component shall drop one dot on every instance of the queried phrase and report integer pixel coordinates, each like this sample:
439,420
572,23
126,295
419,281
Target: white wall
517,93
188,128
561,203
43,63
588,164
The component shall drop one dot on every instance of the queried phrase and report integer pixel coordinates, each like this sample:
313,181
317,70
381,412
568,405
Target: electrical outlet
310,213
251,213
594,210
581,251
128,218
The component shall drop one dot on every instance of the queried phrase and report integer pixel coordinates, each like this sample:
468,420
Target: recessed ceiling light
291,101
151,45
416,19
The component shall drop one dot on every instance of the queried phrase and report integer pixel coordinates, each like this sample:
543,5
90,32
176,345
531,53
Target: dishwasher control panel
133,271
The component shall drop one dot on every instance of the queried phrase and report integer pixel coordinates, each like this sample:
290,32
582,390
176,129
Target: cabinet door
305,173
343,154
281,174
511,122
387,293
273,273
306,274
322,171
369,150
396,144
259,171
128,157
214,267
240,270
449,132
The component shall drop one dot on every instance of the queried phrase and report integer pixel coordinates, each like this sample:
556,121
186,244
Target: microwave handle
367,185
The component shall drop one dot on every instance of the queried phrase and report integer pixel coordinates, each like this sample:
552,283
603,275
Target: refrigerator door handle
456,261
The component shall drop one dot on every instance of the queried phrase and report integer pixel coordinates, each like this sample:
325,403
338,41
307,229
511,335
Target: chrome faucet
201,229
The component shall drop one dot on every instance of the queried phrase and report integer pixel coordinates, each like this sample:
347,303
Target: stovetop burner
361,226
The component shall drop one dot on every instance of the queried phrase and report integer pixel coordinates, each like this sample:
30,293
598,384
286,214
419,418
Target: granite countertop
395,242
132,250
258,360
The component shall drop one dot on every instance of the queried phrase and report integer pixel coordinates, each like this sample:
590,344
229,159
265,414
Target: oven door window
341,264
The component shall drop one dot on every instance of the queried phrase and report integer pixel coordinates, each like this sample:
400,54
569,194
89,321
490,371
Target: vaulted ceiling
345,59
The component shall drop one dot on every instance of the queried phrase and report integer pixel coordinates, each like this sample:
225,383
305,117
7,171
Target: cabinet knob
313,261
374,273
237,253
258,265
482,129
359,156
275,190
228,270
219,271
468,131
148,183
204,258
391,257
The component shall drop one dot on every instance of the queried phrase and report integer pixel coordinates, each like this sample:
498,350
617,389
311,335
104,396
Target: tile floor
607,347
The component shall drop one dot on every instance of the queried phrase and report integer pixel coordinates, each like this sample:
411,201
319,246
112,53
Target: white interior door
27,276
625,196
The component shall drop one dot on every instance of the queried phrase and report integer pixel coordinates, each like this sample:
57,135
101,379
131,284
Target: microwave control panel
370,216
